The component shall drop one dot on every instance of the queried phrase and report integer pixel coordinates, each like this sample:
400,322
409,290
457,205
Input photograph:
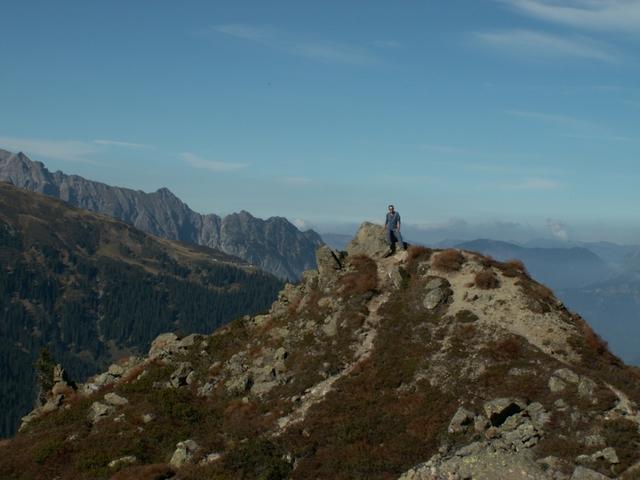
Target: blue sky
484,111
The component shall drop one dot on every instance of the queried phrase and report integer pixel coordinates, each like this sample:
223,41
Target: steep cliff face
92,289
421,365
274,245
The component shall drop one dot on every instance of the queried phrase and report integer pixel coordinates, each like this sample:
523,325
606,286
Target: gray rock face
369,240
434,298
461,420
481,462
329,262
498,410
505,454
274,245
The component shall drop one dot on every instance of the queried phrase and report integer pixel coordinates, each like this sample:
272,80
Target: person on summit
392,229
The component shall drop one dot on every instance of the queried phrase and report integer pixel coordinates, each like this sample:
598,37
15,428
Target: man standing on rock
392,229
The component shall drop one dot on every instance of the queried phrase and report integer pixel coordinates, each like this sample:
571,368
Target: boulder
369,240
500,409
99,411
434,298
556,385
164,345
211,458
567,375
189,341
206,390
148,417
609,454
539,416
594,440
435,282
180,376
586,387
127,460
116,370
114,399
184,453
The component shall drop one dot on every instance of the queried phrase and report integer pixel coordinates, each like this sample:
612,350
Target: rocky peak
426,364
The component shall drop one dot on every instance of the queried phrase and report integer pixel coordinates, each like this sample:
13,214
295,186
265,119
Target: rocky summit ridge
426,364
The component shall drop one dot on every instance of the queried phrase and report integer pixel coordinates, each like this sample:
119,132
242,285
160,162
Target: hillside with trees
91,289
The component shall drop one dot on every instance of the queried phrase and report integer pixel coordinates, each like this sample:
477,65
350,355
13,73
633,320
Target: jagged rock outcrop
274,245
351,374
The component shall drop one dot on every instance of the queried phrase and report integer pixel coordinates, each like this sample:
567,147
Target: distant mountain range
612,307
337,241
274,245
559,268
92,289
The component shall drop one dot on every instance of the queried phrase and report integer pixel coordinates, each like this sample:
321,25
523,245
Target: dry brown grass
133,373
156,471
486,280
509,348
417,252
512,268
590,344
363,278
450,260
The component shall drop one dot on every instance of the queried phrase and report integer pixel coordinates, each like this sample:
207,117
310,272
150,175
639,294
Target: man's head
391,209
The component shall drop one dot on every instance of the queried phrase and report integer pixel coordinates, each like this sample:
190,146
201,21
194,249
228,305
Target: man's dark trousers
390,233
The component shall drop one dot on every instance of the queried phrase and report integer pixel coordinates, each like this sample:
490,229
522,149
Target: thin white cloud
246,32
530,45
554,119
577,127
213,165
604,138
534,184
433,147
297,181
386,44
318,50
614,15
117,143
67,150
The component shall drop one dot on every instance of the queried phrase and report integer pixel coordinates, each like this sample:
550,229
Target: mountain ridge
557,267
274,244
422,365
